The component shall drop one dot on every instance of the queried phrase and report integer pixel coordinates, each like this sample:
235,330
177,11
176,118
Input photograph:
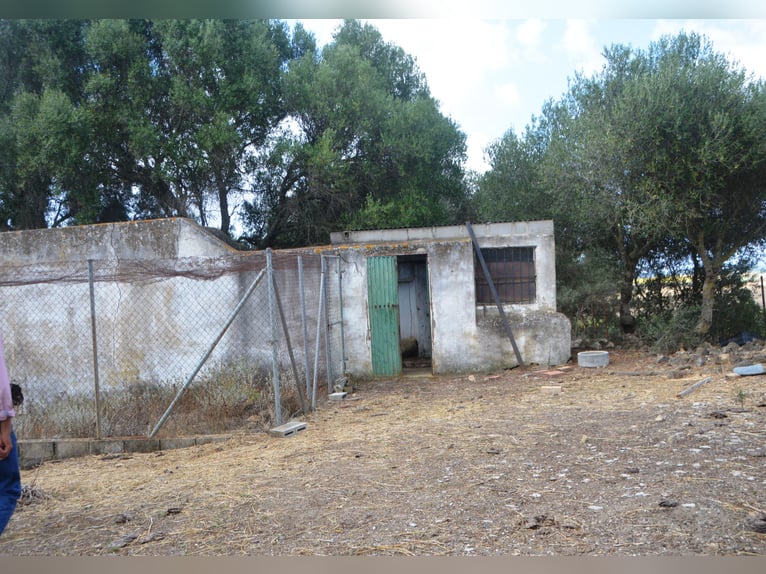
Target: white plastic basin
593,358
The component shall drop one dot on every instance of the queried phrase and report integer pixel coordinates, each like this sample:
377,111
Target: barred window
513,272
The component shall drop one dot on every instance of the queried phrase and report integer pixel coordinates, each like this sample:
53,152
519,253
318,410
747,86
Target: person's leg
10,484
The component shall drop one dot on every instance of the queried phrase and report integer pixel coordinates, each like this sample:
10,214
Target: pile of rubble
730,356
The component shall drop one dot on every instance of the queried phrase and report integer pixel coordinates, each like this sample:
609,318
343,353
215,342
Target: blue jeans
10,484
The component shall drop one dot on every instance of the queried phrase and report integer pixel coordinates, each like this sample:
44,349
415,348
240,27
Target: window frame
514,273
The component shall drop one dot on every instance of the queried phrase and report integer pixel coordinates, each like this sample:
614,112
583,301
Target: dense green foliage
220,120
371,148
658,162
652,169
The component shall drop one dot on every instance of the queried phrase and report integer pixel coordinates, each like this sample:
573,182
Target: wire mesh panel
105,348
334,299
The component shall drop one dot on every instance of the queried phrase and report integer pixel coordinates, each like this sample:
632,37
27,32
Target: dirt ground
569,461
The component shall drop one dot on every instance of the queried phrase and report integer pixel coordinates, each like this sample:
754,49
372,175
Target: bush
586,293
668,309
671,331
736,310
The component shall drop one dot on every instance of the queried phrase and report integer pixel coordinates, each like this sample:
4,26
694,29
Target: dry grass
486,465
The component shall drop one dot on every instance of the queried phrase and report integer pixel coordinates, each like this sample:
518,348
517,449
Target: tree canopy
654,164
659,155
221,120
365,145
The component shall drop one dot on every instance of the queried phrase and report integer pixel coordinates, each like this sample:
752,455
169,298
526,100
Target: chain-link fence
168,348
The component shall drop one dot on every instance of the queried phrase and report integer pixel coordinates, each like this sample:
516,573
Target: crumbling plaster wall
152,239
49,320
465,337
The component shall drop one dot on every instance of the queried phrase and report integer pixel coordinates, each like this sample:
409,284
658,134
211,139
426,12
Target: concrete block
337,396
106,446
34,452
288,429
71,448
141,444
177,442
210,438
590,359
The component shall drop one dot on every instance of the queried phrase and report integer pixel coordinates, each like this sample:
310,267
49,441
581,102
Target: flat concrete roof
447,232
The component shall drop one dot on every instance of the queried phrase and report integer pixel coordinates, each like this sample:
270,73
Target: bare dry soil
567,461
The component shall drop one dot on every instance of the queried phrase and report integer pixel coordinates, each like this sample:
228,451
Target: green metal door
383,305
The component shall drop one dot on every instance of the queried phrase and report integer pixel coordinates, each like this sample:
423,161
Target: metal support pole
763,306
328,351
207,354
496,297
289,347
319,336
342,334
304,321
274,349
94,338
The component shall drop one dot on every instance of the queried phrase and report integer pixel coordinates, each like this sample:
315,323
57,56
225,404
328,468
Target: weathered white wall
47,325
153,328
153,239
465,337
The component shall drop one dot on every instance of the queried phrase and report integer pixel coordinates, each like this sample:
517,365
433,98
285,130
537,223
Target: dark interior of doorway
414,314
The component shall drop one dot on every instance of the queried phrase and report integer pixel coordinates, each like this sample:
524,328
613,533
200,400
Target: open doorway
414,313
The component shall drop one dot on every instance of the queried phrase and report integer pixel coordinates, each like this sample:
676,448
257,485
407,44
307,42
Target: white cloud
454,54
493,75
508,94
477,142
530,33
323,30
580,47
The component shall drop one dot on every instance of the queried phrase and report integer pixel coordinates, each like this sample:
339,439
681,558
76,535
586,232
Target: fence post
289,344
342,333
274,349
94,339
763,306
302,289
320,308
328,350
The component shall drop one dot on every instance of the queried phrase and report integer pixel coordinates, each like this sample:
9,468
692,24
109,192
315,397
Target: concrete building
415,292
421,292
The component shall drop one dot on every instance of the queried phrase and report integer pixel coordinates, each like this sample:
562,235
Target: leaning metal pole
763,303
496,297
289,347
340,307
233,315
328,326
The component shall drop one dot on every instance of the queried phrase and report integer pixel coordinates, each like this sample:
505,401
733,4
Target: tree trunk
629,263
223,203
705,320
627,320
712,262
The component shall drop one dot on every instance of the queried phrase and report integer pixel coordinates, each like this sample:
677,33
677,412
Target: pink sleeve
6,403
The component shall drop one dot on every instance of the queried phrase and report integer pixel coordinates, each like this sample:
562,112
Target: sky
492,76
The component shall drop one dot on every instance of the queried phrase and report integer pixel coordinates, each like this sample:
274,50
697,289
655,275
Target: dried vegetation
569,461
